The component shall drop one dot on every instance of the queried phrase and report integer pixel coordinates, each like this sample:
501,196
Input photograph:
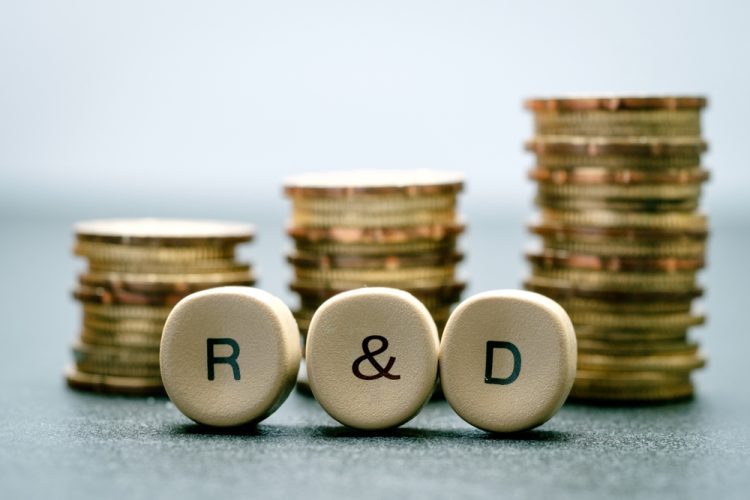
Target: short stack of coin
138,269
619,184
391,228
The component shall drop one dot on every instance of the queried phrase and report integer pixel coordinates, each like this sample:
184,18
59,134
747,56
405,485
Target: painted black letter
230,360
496,344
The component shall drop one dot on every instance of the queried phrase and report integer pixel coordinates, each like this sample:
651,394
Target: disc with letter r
372,357
507,360
229,355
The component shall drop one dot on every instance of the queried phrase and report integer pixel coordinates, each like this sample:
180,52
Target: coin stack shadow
375,228
619,184
138,269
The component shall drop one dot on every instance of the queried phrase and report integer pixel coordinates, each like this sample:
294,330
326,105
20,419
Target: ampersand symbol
370,356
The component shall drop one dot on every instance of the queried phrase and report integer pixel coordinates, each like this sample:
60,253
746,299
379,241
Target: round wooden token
507,360
372,357
229,356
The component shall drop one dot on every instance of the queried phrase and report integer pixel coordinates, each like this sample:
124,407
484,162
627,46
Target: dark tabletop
57,443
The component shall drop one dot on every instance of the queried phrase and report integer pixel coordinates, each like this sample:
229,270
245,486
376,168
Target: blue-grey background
111,107
200,109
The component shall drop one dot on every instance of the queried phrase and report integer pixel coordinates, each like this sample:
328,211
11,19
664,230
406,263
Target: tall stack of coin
390,228
619,183
137,270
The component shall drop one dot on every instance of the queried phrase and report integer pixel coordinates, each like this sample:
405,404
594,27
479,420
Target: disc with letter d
229,356
507,360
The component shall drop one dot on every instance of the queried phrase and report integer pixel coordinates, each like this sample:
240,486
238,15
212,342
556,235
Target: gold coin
427,276
391,262
101,295
623,123
641,348
136,386
633,386
651,362
359,220
89,353
374,218
303,324
166,283
584,332
581,304
616,205
566,260
379,250
656,193
375,205
573,303
637,395
440,324
304,314
566,288
163,232
448,292
636,321
616,103
202,267
611,382
126,340
596,377
642,147
618,235
355,183
617,162
118,252
116,312
603,218
132,325
688,249
431,302
373,235
440,315
675,282
585,176
118,369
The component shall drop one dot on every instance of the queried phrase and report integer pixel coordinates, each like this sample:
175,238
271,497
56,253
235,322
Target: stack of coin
619,183
375,228
137,270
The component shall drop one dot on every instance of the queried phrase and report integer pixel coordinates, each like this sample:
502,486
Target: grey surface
56,443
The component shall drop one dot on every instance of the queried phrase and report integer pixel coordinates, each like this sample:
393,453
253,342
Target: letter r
230,360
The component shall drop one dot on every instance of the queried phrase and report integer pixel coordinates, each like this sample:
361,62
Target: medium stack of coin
619,183
137,270
375,228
